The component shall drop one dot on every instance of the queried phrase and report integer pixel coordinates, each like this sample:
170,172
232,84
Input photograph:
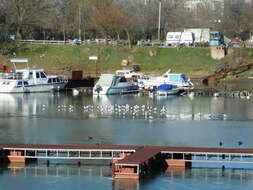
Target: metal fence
119,42
76,42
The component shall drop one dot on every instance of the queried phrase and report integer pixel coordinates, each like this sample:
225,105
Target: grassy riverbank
62,59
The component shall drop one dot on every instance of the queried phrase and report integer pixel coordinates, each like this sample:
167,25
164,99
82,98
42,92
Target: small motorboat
114,84
180,80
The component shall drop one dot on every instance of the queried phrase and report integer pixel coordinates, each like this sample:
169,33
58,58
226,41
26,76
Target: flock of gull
127,111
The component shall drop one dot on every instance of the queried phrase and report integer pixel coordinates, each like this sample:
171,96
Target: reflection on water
125,107
228,174
26,104
179,121
223,84
57,170
92,177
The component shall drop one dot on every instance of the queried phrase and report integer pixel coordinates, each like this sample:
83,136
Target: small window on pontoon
37,75
49,80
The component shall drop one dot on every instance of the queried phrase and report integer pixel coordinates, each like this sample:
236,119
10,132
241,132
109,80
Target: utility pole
159,20
79,27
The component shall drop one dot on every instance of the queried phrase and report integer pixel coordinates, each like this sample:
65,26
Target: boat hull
149,84
32,88
115,90
168,92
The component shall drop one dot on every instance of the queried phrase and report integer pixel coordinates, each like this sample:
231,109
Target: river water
124,120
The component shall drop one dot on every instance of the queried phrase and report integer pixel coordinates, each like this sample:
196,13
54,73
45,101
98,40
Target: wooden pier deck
128,161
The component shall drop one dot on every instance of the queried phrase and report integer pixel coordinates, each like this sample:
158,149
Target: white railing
42,41
73,42
11,76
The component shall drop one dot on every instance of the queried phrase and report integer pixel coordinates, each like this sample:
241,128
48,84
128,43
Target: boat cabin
129,74
175,78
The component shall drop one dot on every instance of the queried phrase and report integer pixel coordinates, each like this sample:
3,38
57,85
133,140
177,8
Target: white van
187,39
179,38
173,38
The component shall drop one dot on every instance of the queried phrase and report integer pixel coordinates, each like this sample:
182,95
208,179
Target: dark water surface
130,120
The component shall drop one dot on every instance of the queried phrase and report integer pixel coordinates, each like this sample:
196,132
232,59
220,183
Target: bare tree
237,18
106,17
129,19
2,23
24,15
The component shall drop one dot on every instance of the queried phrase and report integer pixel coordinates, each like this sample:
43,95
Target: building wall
192,5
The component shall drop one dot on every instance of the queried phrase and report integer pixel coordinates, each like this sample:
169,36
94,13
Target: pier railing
71,154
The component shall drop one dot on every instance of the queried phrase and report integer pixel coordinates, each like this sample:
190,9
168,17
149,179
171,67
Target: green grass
62,59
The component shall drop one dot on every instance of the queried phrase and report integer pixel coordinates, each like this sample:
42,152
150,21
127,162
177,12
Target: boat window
165,76
114,81
54,79
123,79
30,75
42,74
120,73
37,75
184,78
19,83
49,80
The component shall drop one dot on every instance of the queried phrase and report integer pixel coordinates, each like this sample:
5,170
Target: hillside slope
62,59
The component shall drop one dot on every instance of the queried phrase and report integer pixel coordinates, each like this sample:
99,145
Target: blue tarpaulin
165,87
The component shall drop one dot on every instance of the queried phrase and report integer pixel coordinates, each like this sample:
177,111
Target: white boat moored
113,84
29,80
179,80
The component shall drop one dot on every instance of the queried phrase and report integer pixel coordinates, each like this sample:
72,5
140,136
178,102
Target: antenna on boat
19,60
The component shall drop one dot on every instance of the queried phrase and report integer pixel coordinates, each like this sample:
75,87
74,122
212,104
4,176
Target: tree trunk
64,37
118,37
128,39
18,33
44,34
